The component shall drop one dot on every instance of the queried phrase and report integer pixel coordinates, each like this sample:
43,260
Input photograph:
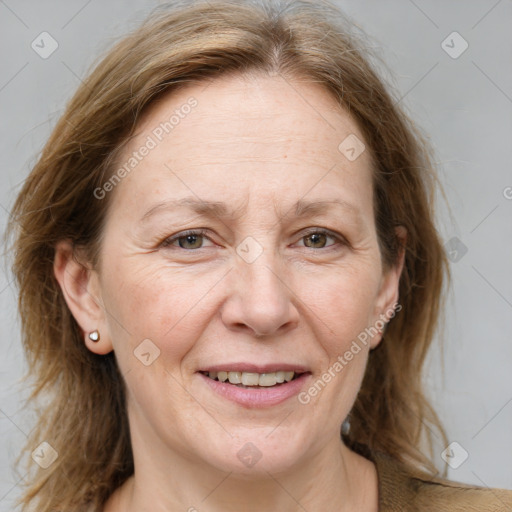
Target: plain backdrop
462,99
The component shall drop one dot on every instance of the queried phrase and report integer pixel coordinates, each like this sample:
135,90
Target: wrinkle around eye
168,242
172,243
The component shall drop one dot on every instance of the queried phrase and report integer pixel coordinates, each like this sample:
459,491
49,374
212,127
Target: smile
252,379
246,386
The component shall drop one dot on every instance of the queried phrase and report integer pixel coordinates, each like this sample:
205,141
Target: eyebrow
218,209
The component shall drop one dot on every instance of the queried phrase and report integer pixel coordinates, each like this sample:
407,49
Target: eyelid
203,232
182,234
340,239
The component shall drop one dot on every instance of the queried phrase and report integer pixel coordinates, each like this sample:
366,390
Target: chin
253,455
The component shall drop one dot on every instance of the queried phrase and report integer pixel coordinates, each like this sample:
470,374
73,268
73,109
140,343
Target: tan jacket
404,490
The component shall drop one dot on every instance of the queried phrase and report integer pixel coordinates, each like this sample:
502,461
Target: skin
259,145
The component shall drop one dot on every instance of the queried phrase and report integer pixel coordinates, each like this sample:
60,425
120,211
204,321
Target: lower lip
258,397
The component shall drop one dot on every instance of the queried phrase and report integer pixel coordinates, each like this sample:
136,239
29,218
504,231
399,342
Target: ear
387,299
81,290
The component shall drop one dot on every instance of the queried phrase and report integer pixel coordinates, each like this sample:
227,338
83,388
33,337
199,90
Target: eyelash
167,243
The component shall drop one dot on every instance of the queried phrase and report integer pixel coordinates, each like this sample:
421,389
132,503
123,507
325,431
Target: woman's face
282,273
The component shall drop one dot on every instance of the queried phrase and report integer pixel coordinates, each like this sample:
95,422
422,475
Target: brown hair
84,416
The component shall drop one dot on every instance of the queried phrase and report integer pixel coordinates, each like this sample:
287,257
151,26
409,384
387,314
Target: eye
317,238
188,240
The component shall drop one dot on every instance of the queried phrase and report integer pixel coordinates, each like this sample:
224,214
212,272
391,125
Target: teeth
250,379
279,377
235,377
288,376
268,379
253,379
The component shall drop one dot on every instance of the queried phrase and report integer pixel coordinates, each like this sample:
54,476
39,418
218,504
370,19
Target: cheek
345,301
160,304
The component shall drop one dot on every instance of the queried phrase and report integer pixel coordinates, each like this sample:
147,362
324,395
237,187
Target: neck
335,475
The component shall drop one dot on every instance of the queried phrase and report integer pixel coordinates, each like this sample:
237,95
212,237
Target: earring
94,335
345,427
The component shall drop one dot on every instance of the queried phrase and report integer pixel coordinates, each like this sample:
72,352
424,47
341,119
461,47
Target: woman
224,223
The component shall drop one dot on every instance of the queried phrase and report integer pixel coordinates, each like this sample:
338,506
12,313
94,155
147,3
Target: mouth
253,380
255,386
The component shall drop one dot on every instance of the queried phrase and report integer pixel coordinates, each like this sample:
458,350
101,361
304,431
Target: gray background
465,104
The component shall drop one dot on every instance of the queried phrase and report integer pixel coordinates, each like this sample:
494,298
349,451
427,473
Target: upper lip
255,368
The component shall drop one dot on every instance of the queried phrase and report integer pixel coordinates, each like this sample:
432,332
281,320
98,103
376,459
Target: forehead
237,132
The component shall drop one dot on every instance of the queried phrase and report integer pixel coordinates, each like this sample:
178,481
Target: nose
261,301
